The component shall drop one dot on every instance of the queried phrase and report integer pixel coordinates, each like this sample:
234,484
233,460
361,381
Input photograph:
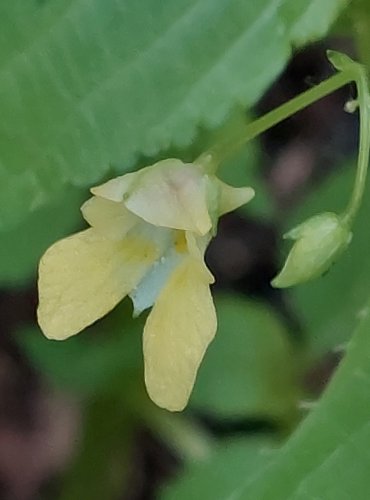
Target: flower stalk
319,240
221,151
363,101
348,71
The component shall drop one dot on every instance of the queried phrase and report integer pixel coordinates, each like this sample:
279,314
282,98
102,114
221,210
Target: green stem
364,147
219,152
348,71
361,25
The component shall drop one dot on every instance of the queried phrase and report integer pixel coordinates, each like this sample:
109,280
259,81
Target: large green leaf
249,369
216,477
89,85
22,246
331,306
326,458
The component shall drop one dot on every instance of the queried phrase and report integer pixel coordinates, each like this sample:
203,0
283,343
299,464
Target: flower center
180,242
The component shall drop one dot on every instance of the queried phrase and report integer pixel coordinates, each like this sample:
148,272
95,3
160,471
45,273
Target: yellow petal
232,197
177,333
110,217
169,193
196,247
83,277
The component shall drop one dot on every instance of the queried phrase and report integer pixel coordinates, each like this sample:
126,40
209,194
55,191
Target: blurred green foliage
327,457
225,473
250,371
89,89
251,353
22,246
250,368
106,353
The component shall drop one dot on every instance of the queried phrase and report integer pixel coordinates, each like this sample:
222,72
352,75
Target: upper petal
172,194
115,189
169,194
83,277
177,333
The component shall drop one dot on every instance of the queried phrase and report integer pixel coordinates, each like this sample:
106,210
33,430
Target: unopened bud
318,242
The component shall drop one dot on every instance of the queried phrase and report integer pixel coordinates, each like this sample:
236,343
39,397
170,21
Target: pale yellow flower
149,231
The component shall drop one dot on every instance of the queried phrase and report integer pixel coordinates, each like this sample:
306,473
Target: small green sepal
340,61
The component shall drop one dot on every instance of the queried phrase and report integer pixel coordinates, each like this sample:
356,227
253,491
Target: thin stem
219,152
348,71
364,147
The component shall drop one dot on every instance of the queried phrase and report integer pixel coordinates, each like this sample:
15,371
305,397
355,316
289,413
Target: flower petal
115,189
169,193
232,197
83,277
172,194
197,246
110,217
177,333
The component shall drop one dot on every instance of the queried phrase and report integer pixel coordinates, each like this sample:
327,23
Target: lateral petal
83,277
115,189
169,193
177,333
110,217
232,197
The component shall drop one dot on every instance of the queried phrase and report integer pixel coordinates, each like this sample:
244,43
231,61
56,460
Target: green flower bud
318,242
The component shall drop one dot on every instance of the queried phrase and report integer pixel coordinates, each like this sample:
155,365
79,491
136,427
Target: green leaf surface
85,86
22,246
249,369
216,477
331,306
328,456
